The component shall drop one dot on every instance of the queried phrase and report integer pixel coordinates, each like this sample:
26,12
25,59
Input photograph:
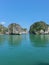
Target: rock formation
39,28
15,29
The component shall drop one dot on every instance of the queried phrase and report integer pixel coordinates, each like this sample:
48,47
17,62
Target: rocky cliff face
15,29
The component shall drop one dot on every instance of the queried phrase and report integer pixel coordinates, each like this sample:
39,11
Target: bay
26,49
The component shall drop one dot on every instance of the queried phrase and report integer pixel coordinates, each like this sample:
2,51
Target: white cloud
2,22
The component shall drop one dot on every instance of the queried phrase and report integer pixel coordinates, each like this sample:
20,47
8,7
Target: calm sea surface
24,49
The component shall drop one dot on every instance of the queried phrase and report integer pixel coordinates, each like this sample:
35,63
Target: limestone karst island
12,29
39,27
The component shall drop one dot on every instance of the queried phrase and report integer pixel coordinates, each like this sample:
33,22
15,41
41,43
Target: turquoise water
24,49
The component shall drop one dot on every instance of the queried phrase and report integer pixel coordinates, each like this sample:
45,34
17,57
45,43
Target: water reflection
14,40
2,39
39,40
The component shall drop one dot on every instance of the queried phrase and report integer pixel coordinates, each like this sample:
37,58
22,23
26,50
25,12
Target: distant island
12,29
39,27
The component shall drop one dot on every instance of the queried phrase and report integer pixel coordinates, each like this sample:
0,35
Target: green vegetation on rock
37,27
14,28
3,29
